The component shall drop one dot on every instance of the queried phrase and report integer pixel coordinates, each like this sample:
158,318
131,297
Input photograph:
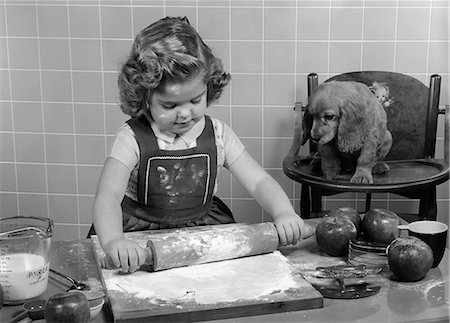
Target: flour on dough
223,281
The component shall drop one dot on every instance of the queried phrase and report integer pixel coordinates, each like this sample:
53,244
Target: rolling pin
186,247
198,245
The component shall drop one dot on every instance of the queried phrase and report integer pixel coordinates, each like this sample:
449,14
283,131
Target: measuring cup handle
403,227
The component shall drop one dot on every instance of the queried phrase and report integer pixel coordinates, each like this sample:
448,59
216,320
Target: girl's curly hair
169,50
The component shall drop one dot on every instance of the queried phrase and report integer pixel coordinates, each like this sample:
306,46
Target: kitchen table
424,301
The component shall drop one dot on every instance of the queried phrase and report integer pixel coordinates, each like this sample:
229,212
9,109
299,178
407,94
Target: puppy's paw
362,176
361,180
380,168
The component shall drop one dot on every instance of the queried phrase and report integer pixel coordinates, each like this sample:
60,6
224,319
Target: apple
380,225
333,235
409,258
349,213
67,307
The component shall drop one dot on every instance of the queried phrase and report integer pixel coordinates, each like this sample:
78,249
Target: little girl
163,165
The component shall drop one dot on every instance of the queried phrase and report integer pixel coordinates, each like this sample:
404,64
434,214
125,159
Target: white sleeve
125,147
232,144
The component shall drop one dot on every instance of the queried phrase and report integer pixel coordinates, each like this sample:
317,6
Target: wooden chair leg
316,200
368,202
305,202
428,204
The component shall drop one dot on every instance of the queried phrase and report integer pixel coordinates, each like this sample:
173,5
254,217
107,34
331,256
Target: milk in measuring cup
24,257
23,276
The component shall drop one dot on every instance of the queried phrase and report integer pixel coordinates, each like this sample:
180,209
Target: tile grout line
41,89
102,66
230,86
263,44
12,110
74,124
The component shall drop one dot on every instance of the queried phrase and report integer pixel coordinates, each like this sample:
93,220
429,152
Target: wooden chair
412,110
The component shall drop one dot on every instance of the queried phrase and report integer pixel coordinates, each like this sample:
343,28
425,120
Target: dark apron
175,188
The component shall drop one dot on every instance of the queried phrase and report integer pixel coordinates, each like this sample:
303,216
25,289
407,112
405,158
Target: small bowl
96,306
367,253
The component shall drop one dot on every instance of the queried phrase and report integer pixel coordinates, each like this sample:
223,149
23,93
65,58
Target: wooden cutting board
246,286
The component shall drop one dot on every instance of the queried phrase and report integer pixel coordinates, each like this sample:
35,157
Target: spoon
75,284
34,310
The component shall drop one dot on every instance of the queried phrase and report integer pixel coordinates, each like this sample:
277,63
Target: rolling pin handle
149,259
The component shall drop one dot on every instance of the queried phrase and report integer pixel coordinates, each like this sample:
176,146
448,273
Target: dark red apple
67,307
333,235
409,258
380,225
349,213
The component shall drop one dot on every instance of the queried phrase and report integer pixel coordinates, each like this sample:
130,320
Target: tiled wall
58,93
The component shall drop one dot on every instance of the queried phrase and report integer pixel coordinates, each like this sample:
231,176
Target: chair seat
403,174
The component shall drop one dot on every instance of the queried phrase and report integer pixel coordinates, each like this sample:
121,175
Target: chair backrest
412,109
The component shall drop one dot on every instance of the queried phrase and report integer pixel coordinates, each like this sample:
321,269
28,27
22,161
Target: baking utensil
347,271
344,274
367,253
75,284
33,309
369,245
24,257
350,291
198,245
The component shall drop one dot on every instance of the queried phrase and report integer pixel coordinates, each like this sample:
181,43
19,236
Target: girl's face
177,107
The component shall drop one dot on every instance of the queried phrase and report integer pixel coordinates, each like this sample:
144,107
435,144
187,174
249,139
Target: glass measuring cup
24,257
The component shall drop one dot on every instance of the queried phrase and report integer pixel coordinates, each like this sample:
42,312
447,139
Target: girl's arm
270,195
107,212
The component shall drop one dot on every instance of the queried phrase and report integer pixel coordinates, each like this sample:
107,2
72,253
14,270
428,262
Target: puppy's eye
329,117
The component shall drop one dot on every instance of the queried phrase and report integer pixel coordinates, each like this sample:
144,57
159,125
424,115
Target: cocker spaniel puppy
349,125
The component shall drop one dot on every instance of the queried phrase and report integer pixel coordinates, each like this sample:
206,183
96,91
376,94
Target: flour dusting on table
223,281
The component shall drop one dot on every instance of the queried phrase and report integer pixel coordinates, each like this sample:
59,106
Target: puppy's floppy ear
307,123
353,126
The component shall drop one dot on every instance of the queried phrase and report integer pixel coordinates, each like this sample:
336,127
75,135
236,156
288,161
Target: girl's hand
291,228
125,254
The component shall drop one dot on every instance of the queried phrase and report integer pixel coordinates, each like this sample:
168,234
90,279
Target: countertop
424,301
